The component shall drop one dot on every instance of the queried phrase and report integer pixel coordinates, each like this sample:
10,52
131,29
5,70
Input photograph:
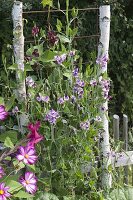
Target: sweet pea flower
30,82
34,137
3,113
52,38
85,125
29,181
60,101
27,155
102,61
35,31
4,194
75,72
93,82
1,172
52,116
60,59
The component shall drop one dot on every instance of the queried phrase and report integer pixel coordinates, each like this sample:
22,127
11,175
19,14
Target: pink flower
35,31
29,181
4,194
3,113
27,155
1,172
34,137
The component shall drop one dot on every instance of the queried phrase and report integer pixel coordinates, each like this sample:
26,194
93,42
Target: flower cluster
62,100
35,31
45,99
60,59
93,82
85,125
52,38
27,155
102,61
105,85
75,72
78,88
30,82
3,113
52,116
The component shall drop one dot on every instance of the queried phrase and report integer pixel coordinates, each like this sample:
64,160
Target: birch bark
18,44
102,51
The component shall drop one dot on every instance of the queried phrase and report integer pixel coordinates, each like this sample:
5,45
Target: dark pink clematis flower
27,155
1,172
29,181
4,194
3,113
34,137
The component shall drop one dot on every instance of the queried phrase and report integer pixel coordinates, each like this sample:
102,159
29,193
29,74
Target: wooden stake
103,50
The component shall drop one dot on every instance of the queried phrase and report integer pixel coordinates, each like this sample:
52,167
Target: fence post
125,137
103,50
18,44
116,122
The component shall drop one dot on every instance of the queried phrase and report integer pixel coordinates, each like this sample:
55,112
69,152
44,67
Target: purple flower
93,82
27,155
52,116
30,82
75,72
72,53
66,98
3,113
60,59
98,119
29,181
45,99
85,125
35,31
105,85
80,83
52,38
102,61
4,194
1,172
60,101
79,91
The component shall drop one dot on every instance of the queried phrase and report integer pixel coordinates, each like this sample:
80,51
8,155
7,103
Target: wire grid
79,37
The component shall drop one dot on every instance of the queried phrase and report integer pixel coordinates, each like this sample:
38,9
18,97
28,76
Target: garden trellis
120,159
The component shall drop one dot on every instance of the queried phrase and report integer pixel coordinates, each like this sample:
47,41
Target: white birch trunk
18,43
103,50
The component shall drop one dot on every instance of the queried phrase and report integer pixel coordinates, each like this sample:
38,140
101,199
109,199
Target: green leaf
14,186
13,67
47,3
59,25
1,101
48,56
8,143
64,39
10,103
47,196
11,134
22,194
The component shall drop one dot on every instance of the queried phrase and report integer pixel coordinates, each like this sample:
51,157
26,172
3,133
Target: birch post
102,51
18,44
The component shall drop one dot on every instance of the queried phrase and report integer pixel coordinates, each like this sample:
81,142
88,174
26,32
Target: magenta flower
27,155
34,137
52,38
1,172
3,113
4,194
35,31
29,181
